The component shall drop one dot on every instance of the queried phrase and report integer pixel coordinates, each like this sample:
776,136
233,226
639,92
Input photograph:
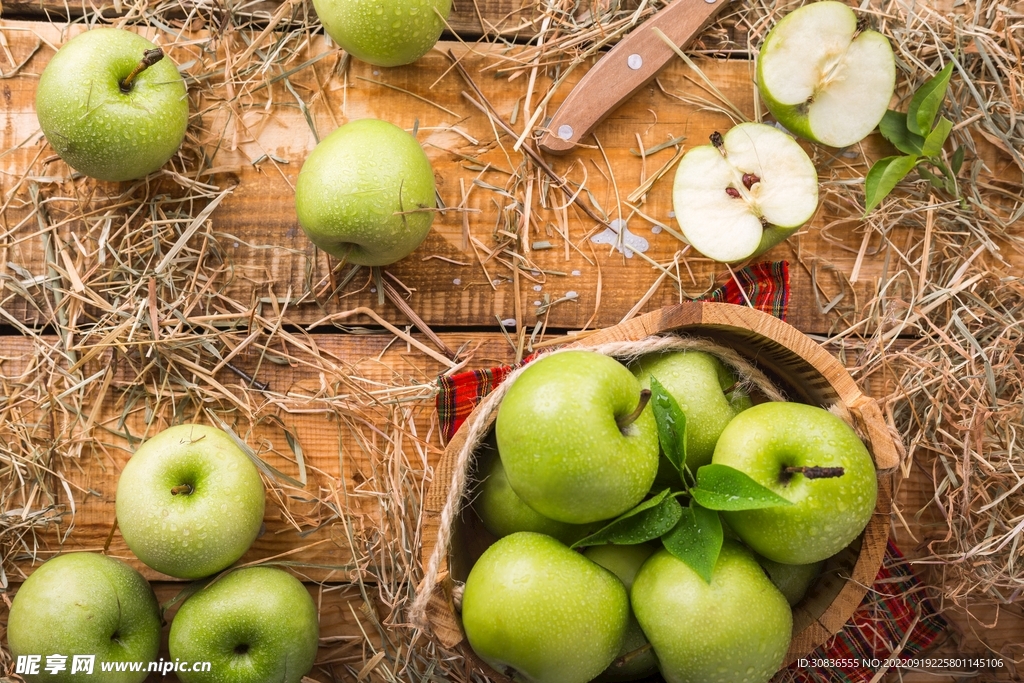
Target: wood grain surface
571,284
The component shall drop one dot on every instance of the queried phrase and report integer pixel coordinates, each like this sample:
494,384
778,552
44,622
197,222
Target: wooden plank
257,249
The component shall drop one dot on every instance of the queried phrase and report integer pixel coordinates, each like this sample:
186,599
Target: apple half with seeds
824,76
744,193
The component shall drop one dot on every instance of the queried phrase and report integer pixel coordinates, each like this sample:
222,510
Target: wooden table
212,317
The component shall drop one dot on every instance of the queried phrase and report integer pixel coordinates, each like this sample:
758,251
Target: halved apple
824,77
744,193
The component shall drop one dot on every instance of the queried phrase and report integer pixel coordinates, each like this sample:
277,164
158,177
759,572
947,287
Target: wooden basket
805,372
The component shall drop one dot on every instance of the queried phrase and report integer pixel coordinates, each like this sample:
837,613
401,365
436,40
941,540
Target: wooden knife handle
625,69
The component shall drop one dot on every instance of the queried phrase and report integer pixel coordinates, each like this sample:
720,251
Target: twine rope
480,421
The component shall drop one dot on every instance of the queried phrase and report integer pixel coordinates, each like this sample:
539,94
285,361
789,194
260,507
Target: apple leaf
958,160
720,487
883,177
696,539
894,129
937,138
671,421
648,520
927,101
937,182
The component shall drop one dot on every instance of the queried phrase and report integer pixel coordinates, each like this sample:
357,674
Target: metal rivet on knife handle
634,61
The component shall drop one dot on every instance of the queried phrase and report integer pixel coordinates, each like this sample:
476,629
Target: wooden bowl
804,371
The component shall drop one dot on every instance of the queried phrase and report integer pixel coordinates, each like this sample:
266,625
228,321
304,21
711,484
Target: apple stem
181,488
631,655
624,421
718,142
815,472
149,58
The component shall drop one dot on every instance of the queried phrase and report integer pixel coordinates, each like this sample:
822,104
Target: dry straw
150,277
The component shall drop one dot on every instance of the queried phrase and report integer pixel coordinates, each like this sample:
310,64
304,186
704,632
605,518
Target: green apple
535,609
83,605
578,442
189,502
706,391
635,659
744,193
827,513
792,579
253,625
366,193
503,512
823,76
736,629
103,121
384,32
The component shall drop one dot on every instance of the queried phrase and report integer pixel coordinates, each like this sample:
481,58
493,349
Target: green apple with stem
112,105
810,457
503,512
365,194
744,193
189,502
576,437
384,32
535,610
253,625
824,76
707,391
736,629
84,604
636,659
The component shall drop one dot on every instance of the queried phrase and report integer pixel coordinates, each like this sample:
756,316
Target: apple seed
749,180
732,192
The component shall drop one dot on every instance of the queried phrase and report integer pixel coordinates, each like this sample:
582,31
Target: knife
626,68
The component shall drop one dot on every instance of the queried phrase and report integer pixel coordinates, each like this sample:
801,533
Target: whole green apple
770,443
103,121
253,625
384,32
574,446
635,659
366,193
824,76
503,512
88,609
536,608
189,502
736,629
706,391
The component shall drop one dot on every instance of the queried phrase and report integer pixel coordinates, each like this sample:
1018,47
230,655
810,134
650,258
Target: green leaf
650,519
894,129
927,101
696,539
883,177
720,487
958,160
937,182
937,138
671,422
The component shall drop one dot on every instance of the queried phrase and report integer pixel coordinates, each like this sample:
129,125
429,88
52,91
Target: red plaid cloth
891,606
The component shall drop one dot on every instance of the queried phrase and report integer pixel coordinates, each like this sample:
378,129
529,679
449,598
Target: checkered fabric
894,605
